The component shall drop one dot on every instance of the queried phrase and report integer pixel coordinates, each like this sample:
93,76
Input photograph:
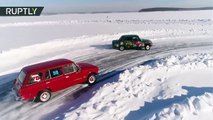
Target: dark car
38,81
131,42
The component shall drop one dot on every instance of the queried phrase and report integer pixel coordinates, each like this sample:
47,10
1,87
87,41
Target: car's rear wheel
44,96
121,48
147,47
91,79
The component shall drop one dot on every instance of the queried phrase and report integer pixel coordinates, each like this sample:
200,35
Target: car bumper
15,94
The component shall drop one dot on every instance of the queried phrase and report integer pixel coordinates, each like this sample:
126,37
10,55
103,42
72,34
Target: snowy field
172,81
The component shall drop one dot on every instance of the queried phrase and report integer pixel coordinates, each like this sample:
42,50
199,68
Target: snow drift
139,90
193,108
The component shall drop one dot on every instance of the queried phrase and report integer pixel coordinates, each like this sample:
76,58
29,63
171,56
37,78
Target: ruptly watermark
20,11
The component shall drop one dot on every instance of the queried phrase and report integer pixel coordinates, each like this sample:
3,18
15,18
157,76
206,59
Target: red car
38,81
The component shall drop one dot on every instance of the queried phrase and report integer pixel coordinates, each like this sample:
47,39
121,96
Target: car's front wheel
91,79
44,96
121,48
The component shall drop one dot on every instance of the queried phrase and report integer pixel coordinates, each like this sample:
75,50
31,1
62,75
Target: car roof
46,65
129,36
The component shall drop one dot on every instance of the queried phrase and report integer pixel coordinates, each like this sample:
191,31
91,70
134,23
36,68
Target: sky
54,6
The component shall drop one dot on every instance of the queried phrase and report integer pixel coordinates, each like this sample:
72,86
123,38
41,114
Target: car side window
124,39
135,39
128,38
69,69
35,78
54,72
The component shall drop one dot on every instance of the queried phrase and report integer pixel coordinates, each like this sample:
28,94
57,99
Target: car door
34,84
55,79
72,74
129,42
136,42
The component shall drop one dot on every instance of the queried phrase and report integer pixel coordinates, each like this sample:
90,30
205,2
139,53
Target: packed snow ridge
175,87
193,108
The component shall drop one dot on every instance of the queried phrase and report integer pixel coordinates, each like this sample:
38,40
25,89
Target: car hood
146,40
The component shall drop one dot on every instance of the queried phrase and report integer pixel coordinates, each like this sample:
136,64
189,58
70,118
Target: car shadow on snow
150,108
104,46
76,99
151,62
6,83
109,46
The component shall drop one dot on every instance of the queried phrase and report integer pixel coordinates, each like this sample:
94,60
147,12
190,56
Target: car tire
121,48
44,96
91,79
147,47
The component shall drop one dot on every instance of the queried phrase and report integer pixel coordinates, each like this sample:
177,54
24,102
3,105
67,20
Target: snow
171,81
143,90
195,108
22,31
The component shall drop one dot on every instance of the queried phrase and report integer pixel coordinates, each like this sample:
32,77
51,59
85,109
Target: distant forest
173,9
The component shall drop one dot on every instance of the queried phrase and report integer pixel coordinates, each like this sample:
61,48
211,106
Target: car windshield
122,38
21,76
77,67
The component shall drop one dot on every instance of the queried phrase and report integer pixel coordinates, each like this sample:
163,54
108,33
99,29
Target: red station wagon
39,80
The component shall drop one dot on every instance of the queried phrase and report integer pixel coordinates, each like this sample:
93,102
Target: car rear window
21,76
